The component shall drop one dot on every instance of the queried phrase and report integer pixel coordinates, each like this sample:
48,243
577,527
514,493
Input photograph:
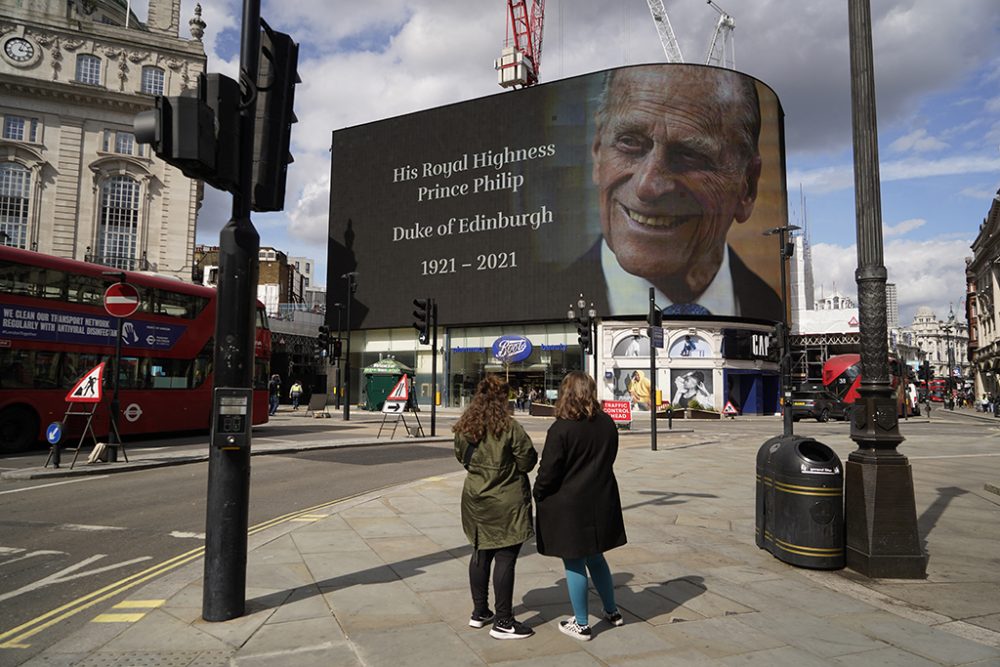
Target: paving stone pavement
382,580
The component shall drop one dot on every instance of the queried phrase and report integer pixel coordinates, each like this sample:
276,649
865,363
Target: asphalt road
64,539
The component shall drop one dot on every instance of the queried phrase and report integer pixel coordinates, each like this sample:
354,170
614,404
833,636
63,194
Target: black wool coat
578,509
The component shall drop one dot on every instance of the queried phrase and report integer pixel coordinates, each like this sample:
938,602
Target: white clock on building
18,49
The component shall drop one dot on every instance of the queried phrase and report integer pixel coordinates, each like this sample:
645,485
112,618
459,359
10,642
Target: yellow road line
118,618
14,637
139,604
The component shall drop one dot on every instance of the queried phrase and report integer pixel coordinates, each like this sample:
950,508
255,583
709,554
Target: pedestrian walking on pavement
295,393
496,502
576,497
273,393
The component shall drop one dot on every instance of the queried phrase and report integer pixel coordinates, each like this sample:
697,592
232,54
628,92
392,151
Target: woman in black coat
579,512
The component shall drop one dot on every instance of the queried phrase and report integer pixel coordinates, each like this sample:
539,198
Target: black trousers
503,579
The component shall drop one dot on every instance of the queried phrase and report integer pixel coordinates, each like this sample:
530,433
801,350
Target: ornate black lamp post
879,508
785,250
949,384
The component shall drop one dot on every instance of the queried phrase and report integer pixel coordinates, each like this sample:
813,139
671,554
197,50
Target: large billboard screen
508,207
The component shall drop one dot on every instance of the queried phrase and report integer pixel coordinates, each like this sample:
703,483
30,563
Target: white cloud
840,177
993,105
918,141
926,273
978,192
902,228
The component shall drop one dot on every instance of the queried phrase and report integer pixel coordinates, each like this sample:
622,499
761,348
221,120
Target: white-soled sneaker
510,629
480,620
575,630
614,618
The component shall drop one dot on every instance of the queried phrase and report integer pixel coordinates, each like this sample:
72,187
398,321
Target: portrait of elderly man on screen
676,163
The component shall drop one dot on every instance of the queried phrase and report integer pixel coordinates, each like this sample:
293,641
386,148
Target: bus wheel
824,416
18,429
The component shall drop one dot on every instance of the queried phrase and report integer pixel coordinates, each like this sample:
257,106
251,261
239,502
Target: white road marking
186,535
84,528
42,486
10,550
65,575
32,555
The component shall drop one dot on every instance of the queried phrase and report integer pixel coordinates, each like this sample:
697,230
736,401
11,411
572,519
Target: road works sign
88,389
121,300
398,398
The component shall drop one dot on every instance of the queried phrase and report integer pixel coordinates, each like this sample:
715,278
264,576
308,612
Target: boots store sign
511,349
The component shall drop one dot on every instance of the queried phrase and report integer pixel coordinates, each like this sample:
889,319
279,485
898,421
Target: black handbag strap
469,451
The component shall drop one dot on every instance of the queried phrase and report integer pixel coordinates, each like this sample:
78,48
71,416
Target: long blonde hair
489,411
577,397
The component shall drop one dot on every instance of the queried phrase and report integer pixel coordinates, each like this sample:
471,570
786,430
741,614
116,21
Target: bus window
87,289
187,306
202,366
15,368
169,373
75,365
19,279
46,365
52,284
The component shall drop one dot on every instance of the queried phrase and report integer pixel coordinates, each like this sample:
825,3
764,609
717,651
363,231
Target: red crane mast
521,58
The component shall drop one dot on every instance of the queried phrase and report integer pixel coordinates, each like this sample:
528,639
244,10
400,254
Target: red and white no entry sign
121,300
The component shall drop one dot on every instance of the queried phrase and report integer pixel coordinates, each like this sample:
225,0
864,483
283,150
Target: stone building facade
982,277
73,181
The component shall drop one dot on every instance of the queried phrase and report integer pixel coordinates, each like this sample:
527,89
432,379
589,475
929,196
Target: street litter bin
800,502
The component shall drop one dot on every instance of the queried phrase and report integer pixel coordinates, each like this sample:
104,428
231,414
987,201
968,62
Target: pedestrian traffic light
422,321
583,334
197,132
272,129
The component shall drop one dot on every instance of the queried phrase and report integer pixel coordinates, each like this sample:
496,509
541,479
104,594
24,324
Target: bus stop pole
227,512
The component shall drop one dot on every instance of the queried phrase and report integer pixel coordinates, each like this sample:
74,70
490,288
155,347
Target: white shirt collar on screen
628,294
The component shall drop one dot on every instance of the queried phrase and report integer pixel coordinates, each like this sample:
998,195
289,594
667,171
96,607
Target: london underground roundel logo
511,349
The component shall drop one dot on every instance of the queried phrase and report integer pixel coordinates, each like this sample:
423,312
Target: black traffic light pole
352,286
654,318
434,370
224,592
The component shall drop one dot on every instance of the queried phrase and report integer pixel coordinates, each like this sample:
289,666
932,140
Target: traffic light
272,129
422,321
583,333
338,348
197,132
324,337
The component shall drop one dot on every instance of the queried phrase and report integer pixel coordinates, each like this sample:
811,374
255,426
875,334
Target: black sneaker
575,630
480,620
614,618
510,629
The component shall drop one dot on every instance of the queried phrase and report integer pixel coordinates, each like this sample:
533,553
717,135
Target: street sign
619,411
54,432
657,336
730,410
401,392
88,389
121,300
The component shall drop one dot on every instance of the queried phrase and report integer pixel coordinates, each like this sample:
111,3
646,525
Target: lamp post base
881,520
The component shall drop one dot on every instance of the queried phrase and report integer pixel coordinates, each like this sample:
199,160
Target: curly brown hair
577,397
489,411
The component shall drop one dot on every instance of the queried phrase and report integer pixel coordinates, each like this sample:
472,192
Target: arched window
88,69
152,80
119,225
15,189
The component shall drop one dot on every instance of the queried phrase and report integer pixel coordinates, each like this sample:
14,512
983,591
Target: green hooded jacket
496,498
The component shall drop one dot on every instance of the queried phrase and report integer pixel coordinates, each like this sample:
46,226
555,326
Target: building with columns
982,275
73,181
936,337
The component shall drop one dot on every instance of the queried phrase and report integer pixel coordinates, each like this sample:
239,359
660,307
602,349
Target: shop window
690,346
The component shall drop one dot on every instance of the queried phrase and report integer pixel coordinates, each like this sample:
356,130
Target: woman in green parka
496,502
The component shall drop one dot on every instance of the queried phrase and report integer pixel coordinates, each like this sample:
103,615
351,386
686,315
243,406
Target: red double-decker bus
54,329
842,378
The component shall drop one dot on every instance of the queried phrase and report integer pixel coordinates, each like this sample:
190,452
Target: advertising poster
689,385
506,208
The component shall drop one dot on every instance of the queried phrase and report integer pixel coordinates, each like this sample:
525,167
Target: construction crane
521,58
666,32
722,47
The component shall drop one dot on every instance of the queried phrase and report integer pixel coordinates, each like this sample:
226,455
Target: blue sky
937,69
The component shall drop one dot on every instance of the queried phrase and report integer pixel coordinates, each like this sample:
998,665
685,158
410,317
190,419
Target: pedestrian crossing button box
232,412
